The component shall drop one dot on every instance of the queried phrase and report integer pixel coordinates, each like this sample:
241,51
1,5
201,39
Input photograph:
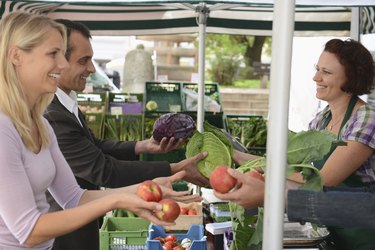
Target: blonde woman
32,51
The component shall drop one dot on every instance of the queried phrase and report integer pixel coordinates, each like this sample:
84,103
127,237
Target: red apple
255,174
192,212
149,191
221,180
184,211
170,210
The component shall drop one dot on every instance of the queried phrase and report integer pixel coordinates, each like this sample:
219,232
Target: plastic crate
123,127
93,102
123,233
123,103
210,89
195,234
215,119
237,126
168,96
95,122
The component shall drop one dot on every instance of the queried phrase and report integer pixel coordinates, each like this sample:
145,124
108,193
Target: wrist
141,147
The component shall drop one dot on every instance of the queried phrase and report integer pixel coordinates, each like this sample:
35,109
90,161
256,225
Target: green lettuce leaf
213,141
309,146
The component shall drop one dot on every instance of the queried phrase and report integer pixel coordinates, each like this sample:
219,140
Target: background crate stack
214,114
250,131
124,118
119,233
94,106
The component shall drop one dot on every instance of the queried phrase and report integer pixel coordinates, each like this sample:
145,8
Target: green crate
168,96
215,119
123,233
95,122
210,89
123,127
180,186
239,127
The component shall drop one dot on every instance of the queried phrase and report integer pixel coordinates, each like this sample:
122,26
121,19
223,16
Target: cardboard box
184,222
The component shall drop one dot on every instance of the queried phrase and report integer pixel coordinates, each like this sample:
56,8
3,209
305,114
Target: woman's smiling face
39,69
329,77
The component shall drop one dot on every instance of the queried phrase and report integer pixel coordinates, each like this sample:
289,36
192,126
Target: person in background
32,58
95,162
345,70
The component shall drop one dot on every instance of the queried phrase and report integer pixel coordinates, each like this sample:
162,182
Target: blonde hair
25,31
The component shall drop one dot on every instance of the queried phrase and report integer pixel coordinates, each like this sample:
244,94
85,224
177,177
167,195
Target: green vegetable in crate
151,105
213,141
177,125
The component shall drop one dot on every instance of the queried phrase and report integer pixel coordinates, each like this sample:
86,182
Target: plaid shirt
360,128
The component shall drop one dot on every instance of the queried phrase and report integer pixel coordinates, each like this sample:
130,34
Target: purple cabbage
175,125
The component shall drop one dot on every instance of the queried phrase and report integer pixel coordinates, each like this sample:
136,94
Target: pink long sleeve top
24,179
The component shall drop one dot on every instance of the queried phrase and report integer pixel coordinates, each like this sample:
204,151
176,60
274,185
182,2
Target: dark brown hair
358,64
70,27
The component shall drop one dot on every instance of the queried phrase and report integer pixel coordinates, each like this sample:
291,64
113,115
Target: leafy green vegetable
213,141
251,131
309,146
303,148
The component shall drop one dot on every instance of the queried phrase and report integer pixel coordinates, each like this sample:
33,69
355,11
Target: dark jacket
95,163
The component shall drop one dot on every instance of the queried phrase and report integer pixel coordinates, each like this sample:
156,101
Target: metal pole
355,24
203,12
277,136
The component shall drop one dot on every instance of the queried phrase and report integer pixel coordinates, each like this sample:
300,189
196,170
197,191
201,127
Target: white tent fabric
171,17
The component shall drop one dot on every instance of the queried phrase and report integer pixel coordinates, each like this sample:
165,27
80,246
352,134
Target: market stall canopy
138,17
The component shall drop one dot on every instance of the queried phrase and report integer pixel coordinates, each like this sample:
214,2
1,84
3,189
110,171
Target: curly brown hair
358,63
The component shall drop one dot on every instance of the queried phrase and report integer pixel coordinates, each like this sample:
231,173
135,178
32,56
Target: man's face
80,64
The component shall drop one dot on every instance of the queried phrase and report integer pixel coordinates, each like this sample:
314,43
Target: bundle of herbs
123,127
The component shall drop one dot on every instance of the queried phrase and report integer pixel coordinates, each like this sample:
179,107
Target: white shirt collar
69,101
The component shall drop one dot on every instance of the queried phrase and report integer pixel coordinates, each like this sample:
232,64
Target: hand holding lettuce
213,141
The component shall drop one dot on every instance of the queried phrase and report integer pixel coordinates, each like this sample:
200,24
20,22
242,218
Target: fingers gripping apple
170,210
221,180
149,191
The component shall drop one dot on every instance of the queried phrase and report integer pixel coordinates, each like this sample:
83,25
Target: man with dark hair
100,163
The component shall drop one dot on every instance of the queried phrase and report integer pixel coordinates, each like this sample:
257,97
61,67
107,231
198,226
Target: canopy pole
355,24
203,12
277,136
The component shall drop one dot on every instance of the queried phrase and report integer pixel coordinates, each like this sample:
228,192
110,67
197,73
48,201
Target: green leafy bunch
303,149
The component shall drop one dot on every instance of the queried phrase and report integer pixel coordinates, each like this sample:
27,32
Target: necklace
334,124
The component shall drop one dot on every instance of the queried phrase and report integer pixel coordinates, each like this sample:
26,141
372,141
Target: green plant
123,127
303,148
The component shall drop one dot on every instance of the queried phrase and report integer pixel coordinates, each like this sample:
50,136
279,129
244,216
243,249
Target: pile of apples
151,191
187,211
170,242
